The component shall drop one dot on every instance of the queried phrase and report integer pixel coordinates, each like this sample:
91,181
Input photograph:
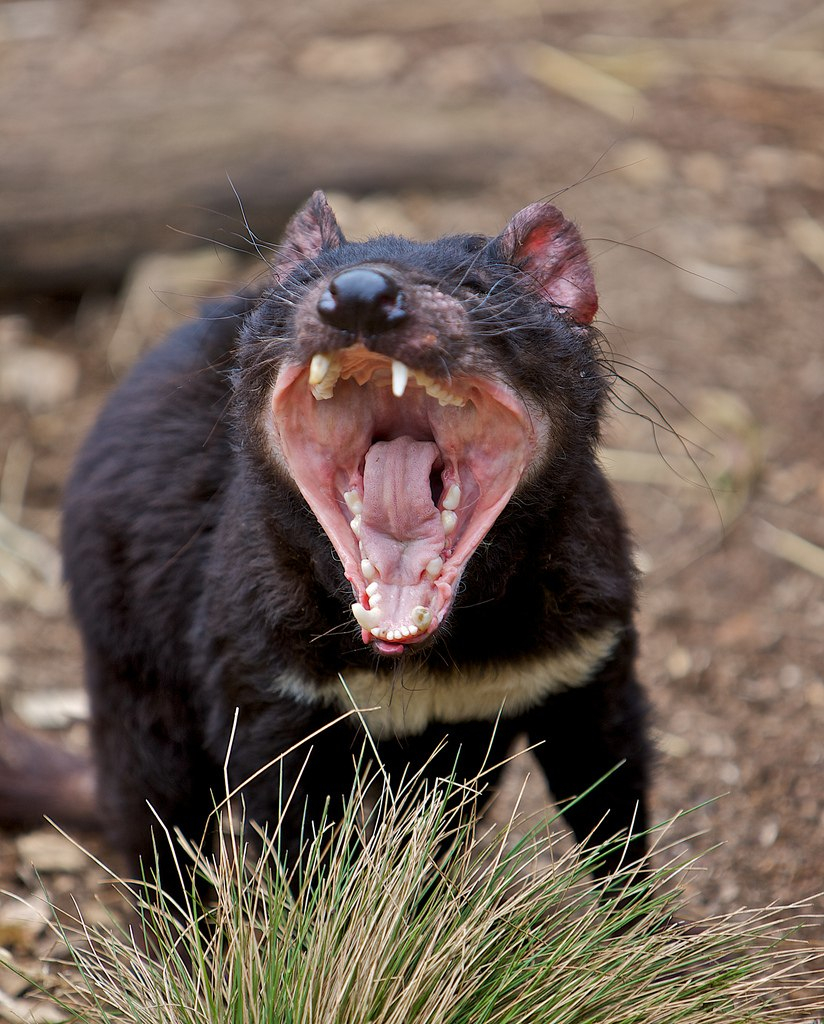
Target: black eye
474,243
474,284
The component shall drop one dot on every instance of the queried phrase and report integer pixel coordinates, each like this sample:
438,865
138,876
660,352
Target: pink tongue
401,529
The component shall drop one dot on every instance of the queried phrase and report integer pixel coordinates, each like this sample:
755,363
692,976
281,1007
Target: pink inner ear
542,243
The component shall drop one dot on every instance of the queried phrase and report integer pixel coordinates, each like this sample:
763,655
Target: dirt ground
686,139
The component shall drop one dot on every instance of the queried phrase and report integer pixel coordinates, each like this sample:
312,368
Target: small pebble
705,171
48,852
642,162
38,379
51,709
679,663
768,832
714,283
22,921
367,58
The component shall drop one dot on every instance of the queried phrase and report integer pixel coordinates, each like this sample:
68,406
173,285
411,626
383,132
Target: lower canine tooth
367,618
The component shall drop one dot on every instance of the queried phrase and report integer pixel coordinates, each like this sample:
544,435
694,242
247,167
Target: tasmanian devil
374,480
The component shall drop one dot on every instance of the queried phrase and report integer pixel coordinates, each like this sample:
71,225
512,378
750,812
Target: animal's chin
405,473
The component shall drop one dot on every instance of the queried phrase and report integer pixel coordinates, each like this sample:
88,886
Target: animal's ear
548,248
312,229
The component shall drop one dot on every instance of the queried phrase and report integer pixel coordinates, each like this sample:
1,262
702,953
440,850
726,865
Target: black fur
200,577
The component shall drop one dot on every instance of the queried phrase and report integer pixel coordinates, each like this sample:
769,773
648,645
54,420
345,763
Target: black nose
362,300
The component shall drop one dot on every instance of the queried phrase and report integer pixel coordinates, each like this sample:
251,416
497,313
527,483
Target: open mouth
405,473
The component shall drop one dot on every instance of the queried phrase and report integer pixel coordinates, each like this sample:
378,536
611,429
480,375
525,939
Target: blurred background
144,145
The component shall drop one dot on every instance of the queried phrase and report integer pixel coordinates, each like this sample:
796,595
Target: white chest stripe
406,703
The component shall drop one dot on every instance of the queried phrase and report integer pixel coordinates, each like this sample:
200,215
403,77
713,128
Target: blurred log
121,123
133,189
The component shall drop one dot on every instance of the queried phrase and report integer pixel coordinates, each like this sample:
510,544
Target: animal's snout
364,301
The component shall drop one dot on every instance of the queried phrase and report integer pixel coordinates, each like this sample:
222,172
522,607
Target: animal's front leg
153,776
586,733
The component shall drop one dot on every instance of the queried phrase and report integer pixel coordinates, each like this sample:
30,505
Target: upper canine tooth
400,376
319,367
324,370
367,618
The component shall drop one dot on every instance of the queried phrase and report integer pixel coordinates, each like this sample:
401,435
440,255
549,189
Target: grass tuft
402,915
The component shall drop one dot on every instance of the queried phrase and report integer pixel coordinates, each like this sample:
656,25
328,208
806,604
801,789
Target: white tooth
378,632
448,520
400,376
318,368
356,523
368,618
372,589
353,501
443,396
421,617
324,370
453,498
413,630
406,631
433,569
368,570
